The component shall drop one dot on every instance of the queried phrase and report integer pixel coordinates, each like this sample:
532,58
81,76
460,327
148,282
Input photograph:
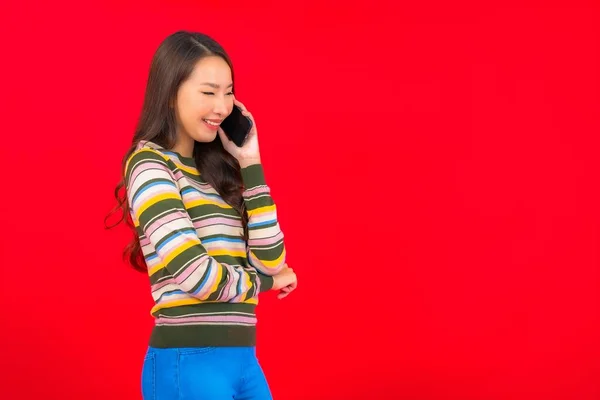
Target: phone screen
236,126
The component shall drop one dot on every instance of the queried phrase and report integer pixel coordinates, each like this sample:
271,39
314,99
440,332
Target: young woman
205,228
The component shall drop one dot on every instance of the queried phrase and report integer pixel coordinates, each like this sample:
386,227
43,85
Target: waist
206,324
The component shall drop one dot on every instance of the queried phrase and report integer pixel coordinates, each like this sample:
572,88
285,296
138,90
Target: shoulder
147,152
148,162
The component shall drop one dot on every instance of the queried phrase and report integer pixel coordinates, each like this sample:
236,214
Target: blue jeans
211,373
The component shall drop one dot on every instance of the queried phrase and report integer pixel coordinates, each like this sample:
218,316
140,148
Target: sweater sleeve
158,212
266,250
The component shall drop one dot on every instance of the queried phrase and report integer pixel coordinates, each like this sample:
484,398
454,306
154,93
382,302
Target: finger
239,104
227,143
224,139
290,290
282,295
248,114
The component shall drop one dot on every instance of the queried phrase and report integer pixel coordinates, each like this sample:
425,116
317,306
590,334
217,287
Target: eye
208,93
230,94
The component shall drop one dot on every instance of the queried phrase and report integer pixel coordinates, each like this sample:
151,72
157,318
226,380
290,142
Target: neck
184,145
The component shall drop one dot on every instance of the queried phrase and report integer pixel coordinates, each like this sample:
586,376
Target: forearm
266,248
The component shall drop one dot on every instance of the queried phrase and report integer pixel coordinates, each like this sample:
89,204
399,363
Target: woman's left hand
287,290
249,153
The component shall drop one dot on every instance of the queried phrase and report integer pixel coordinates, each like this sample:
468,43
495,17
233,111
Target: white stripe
264,233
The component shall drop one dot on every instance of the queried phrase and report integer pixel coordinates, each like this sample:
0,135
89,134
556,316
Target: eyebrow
214,85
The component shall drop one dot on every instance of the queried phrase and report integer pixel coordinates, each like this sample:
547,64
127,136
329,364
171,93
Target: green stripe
210,208
203,336
144,157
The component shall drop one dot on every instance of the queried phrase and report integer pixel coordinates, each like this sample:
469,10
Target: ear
173,101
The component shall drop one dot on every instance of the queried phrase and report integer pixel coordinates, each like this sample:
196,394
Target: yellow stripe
175,303
153,200
262,210
271,263
156,268
248,281
202,202
226,252
188,244
190,170
248,284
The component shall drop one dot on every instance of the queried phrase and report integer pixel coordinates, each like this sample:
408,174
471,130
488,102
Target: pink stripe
186,273
145,166
265,241
201,262
208,318
159,286
254,261
142,144
257,191
230,271
175,215
201,194
180,175
217,221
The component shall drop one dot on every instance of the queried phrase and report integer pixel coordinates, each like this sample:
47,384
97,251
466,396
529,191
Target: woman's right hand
249,153
285,278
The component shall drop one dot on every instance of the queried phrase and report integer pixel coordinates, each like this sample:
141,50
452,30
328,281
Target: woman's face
204,100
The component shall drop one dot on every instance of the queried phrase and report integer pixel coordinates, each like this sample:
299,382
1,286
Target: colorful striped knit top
205,278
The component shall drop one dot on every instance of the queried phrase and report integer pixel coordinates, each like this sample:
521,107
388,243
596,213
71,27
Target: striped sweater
204,277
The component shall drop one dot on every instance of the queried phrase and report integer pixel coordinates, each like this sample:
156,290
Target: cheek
188,108
199,107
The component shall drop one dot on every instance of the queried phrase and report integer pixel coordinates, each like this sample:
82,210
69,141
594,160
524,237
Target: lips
212,123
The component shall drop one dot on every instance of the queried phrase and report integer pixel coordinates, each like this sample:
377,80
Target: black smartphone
237,126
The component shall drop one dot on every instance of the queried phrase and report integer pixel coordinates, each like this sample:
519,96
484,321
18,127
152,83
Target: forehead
212,70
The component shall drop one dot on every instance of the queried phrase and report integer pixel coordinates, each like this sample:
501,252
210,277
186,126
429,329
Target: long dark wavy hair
171,65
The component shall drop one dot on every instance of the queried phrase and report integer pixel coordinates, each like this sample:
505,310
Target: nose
221,106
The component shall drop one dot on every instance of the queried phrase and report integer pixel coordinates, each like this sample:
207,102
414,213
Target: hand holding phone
237,126
241,141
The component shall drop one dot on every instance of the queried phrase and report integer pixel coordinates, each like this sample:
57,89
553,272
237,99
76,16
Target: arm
158,211
266,249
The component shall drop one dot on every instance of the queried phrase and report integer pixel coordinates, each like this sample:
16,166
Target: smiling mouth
212,123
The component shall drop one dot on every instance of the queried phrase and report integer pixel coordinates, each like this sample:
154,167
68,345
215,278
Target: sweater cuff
266,282
253,176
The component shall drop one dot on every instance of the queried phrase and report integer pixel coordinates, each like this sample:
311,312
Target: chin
205,137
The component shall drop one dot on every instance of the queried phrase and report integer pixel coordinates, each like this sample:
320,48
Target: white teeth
211,123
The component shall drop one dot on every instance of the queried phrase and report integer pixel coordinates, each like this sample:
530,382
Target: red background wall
436,172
